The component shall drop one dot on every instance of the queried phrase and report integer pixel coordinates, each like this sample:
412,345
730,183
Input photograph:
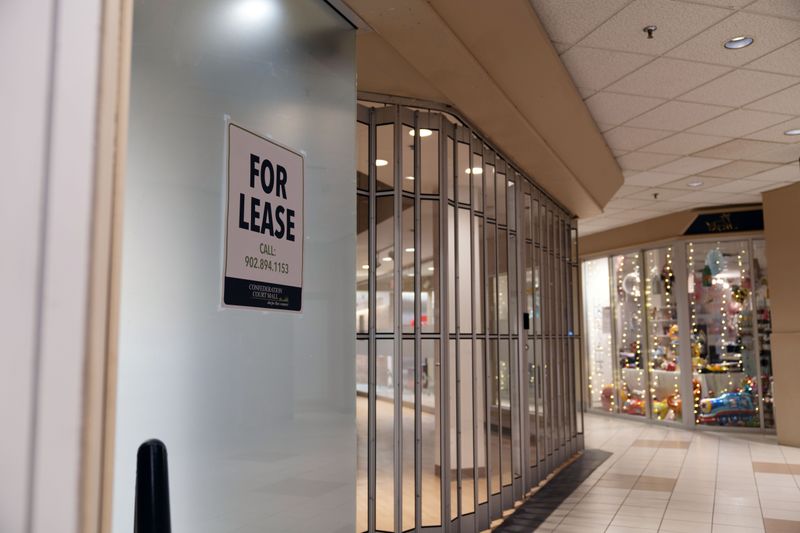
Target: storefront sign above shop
727,222
264,224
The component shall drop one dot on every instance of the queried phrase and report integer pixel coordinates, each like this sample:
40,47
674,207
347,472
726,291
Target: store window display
629,322
597,303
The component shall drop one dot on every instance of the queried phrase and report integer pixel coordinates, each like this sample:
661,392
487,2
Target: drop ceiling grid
665,110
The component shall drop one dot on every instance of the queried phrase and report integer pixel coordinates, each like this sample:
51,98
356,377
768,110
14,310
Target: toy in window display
729,409
632,401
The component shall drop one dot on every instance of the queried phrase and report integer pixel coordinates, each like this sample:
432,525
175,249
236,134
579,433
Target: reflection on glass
429,162
764,327
479,407
723,360
477,174
467,456
384,159
430,490
495,420
429,259
408,432
362,163
407,271
597,320
464,173
491,197
629,322
502,199
384,270
384,437
362,264
362,406
662,335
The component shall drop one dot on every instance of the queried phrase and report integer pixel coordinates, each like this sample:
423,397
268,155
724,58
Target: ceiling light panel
677,116
770,33
740,87
594,68
667,78
676,21
739,122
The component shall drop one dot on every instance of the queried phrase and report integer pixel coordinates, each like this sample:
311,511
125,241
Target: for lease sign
264,224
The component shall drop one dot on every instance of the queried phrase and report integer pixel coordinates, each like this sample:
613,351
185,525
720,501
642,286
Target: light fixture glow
409,250
255,10
365,267
423,132
381,162
695,184
795,131
430,269
510,183
474,170
386,259
738,42
410,178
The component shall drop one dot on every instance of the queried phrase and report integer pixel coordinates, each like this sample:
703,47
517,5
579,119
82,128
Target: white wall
49,60
257,409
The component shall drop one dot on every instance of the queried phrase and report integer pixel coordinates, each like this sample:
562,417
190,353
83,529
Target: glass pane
409,431
491,197
362,264
477,181
453,429
629,321
479,386
429,288
502,281
513,293
384,271
477,267
430,491
764,326
450,170
504,386
491,276
464,173
723,360
407,266
495,421
407,171
512,204
502,199
452,294
467,459
384,436
464,279
597,319
362,164
362,407
429,161
662,335
384,160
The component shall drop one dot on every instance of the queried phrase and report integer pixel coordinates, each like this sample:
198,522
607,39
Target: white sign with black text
264,226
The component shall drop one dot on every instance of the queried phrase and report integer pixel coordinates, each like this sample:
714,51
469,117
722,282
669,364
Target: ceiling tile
685,143
739,88
667,78
711,198
776,133
738,123
663,194
669,206
690,165
780,153
626,190
738,186
586,93
561,47
594,68
567,21
769,33
611,108
786,101
625,138
785,173
619,153
651,179
677,116
625,203
737,149
729,4
677,22
643,161
739,169
785,60
778,8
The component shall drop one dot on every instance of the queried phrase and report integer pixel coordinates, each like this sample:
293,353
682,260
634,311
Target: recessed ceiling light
410,178
365,267
795,131
695,184
381,162
423,132
738,42
474,170
386,259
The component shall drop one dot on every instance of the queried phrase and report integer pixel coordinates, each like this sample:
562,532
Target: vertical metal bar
474,337
522,334
582,325
756,336
613,300
444,288
371,349
397,361
457,284
418,177
681,291
644,345
444,361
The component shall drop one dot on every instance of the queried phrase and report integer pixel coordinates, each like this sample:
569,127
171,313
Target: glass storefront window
763,327
629,327
723,359
662,335
597,309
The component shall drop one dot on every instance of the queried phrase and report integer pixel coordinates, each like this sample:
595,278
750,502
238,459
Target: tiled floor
664,479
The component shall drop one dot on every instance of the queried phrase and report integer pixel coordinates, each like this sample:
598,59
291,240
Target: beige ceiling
681,108
495,64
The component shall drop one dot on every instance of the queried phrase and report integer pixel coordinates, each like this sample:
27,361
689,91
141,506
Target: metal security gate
467,341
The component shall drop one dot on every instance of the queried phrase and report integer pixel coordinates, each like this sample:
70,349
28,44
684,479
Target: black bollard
151,512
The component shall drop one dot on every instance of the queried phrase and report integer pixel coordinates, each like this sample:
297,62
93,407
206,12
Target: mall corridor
672,480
